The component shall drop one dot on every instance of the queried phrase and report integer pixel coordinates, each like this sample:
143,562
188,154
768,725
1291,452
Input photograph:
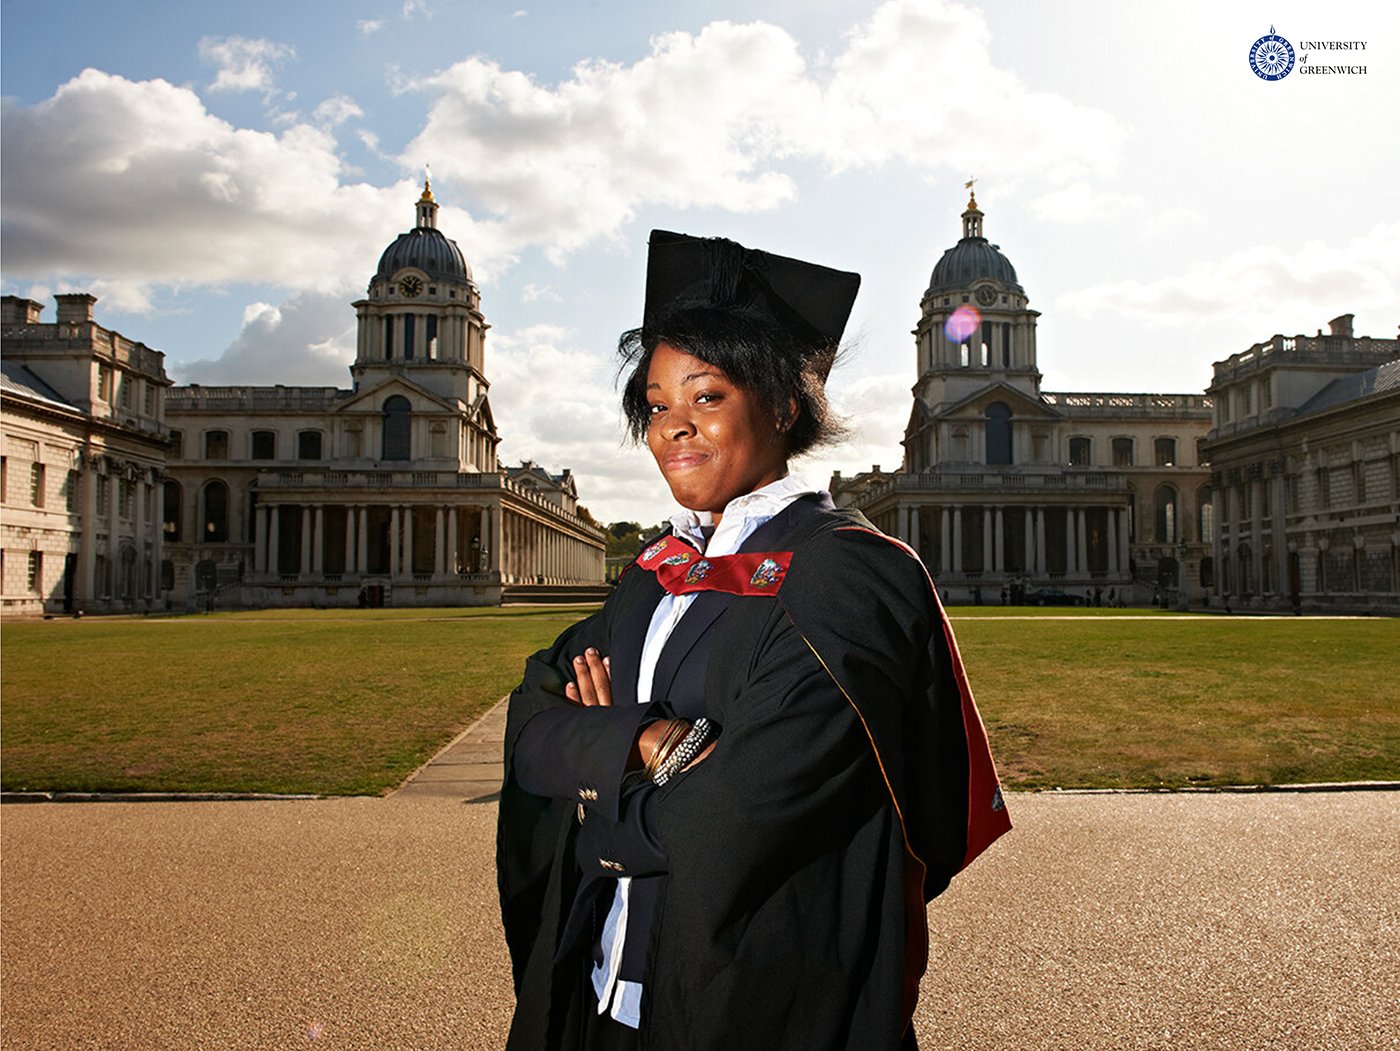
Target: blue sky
225,176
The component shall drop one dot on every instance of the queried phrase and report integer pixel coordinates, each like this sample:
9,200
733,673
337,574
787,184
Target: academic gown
850,781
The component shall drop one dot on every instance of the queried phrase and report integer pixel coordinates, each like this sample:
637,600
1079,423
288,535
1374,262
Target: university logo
1271,57
698,572
766,574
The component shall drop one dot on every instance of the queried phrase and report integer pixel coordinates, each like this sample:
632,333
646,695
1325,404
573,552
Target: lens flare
962,323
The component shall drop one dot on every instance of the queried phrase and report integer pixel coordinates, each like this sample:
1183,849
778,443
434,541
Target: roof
1358,385
970,260
16,379
428,249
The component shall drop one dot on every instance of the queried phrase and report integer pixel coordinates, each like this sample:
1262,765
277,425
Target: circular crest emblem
697,572
1271,57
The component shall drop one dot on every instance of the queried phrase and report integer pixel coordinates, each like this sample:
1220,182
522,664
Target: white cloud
1079,201
1262,286
714,119
243,64
285,343
137,184
521,13
369,25
533,293
337,110
416,7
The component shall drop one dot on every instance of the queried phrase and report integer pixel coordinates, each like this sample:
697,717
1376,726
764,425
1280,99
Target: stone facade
388,492
1008,490
84,449
1305,458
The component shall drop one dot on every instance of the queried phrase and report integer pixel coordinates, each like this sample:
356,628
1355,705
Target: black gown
789,871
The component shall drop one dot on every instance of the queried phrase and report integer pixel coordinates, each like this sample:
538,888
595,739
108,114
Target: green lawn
352,701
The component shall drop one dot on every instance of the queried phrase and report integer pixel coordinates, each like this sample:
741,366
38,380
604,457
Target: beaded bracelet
684,752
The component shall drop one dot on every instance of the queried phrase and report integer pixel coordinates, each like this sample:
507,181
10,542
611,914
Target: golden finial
427,183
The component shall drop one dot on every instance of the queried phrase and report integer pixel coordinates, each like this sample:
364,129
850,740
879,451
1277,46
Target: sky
224,177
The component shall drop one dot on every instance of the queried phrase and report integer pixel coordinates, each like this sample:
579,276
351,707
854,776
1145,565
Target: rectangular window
1246,394
1224,401
1122,452
1358,480
104,383
1324,487
430,326
216,445
36,572
1247,502
177,445
101,496
36,484
1164,449
1202,459
388,337
124,390
72,487
125,492
150,398
1266,393
408,335
309,445
1079,452
264,445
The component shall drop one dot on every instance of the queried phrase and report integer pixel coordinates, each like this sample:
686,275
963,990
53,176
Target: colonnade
418,541
996,524
144,535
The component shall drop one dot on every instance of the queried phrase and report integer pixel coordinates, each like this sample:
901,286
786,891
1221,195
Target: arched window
214,521
1164,498
998,433
1205,509
174,499
398,429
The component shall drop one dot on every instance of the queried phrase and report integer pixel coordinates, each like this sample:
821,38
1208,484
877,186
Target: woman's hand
650,739
594,684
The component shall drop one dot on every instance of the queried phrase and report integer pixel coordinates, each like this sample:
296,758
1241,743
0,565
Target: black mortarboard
811,301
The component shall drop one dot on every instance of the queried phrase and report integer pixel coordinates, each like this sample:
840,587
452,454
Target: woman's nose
678,424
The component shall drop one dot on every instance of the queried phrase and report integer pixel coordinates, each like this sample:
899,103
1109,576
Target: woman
742,859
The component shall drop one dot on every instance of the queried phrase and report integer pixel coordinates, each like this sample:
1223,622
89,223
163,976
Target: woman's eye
707,397
655,410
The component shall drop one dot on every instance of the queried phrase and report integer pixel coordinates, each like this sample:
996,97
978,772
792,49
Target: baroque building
84,451
1011,493
389,492
1305,461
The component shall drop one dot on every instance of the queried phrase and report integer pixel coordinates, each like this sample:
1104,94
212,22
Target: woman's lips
684,461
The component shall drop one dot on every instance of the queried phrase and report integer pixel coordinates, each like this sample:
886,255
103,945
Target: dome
429,250
972,259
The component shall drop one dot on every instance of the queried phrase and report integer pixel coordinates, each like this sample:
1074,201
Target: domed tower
975,326
422,317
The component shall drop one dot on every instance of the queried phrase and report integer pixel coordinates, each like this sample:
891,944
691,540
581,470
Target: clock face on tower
411,285
986,295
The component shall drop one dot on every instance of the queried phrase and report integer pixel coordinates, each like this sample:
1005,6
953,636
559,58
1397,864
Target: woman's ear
788,418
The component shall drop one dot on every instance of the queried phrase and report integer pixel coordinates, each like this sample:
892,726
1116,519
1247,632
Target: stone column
86,589
945,541
999,543
114,562
1123,554
260,540
439,544
1040,563
988,540
362,541
957,539
1029,560
318,541
349,540
1082,539
157,528
305,540
1069,542
407,567
138,538
1112,541
393,542
274,539
454,562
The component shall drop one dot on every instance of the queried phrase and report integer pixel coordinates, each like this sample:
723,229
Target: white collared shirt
741,517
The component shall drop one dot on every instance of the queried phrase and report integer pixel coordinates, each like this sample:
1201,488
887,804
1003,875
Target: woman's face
711,438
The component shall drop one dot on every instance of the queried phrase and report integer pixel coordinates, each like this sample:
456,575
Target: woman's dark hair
755,351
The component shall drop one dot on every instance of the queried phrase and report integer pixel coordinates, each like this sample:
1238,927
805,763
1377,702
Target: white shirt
741,518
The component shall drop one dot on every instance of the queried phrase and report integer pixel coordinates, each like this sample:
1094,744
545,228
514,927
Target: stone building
389,492
1006,489
84,450
122,492
1305,460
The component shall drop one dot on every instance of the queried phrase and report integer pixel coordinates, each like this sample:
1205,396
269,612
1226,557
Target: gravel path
1140,921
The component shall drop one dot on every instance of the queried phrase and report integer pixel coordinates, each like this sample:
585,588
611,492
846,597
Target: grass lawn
340,702
334,702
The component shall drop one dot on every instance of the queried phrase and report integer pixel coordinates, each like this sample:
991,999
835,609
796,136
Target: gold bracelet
673,736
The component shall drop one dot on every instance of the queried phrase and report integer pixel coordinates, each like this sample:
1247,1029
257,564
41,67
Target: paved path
1101,922
469,768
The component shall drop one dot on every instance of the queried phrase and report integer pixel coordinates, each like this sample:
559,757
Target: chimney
75,308
15,310
1341,326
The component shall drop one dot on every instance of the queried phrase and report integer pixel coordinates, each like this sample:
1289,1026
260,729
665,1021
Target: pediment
1021,404
372,398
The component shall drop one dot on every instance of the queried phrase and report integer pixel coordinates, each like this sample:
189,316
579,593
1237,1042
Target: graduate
730,794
